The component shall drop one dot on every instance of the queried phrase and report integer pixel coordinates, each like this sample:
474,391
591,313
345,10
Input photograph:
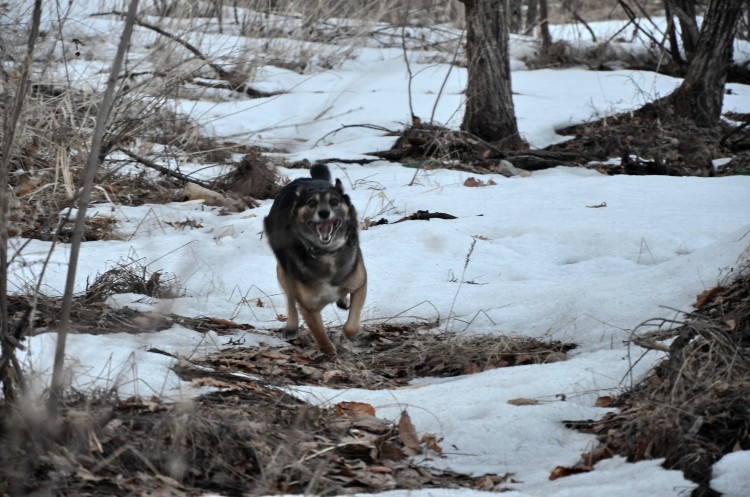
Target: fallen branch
162,169
425,216
236,82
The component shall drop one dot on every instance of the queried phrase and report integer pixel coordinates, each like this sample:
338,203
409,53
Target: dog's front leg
357,301
292,321
318,329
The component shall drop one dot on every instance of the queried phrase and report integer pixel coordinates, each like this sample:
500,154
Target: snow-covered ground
543,260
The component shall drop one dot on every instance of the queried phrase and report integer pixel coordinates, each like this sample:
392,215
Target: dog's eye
333,202
312,203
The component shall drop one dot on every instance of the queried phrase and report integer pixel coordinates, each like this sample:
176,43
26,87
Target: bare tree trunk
489,103
544,26
701,94
674,47
516,15
531,11
689,32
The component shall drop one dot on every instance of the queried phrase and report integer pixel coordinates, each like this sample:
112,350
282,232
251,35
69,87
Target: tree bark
490,114
531,11
684,10
701,94
544,26
515,20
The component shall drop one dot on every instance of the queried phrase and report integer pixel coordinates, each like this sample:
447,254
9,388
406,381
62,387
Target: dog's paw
350,331
291,333
329,351
343,302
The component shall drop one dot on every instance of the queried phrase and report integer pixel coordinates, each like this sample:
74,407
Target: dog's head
323,215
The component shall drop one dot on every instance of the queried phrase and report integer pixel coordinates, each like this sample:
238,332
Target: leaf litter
248,435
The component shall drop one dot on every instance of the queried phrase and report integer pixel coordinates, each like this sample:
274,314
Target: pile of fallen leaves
249,441
695,407
382,356
248,436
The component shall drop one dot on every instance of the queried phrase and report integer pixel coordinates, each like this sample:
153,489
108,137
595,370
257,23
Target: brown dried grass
695,407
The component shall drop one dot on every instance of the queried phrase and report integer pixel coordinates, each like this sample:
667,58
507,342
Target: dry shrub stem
90,171
10,343
694,408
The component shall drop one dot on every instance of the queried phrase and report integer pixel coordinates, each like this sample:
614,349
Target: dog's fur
313,231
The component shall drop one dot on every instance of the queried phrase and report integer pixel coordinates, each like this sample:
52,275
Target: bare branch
9,343
90,172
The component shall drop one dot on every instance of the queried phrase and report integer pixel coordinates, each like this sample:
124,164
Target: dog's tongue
325,229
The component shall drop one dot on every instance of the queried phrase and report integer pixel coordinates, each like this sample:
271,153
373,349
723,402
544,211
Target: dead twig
236,82
162,169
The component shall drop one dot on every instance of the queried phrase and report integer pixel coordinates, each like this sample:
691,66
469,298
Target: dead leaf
275,355
604,401
481,237
407,433
349,408
472,369
431,442
333,376
211,382
370,423
472,182
707,296
391,452
379,469
563,471
521,401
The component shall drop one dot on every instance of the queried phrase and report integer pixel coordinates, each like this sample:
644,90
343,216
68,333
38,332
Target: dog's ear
339,186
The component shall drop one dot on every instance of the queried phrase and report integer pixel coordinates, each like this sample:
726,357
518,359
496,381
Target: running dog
313,231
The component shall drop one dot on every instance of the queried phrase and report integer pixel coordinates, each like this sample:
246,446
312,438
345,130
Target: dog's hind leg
318,329
351,327
292,322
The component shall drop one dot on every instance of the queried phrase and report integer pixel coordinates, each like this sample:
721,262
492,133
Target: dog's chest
324,294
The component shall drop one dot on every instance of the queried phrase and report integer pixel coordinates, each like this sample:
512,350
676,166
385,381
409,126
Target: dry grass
382,356
248,436
695,407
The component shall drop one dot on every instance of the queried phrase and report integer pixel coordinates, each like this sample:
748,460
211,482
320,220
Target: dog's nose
324,213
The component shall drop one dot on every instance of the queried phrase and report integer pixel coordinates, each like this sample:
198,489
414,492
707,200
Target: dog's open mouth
326,229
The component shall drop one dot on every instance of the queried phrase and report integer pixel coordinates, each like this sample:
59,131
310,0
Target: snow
565,254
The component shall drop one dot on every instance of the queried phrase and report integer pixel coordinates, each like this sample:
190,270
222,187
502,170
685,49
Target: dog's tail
320,171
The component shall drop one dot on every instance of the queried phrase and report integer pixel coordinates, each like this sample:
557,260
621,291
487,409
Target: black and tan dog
312,229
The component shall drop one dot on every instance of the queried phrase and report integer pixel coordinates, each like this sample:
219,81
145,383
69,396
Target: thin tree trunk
684,10
544,26
674,47
489,102
531,12
90,172
516,15
701,94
